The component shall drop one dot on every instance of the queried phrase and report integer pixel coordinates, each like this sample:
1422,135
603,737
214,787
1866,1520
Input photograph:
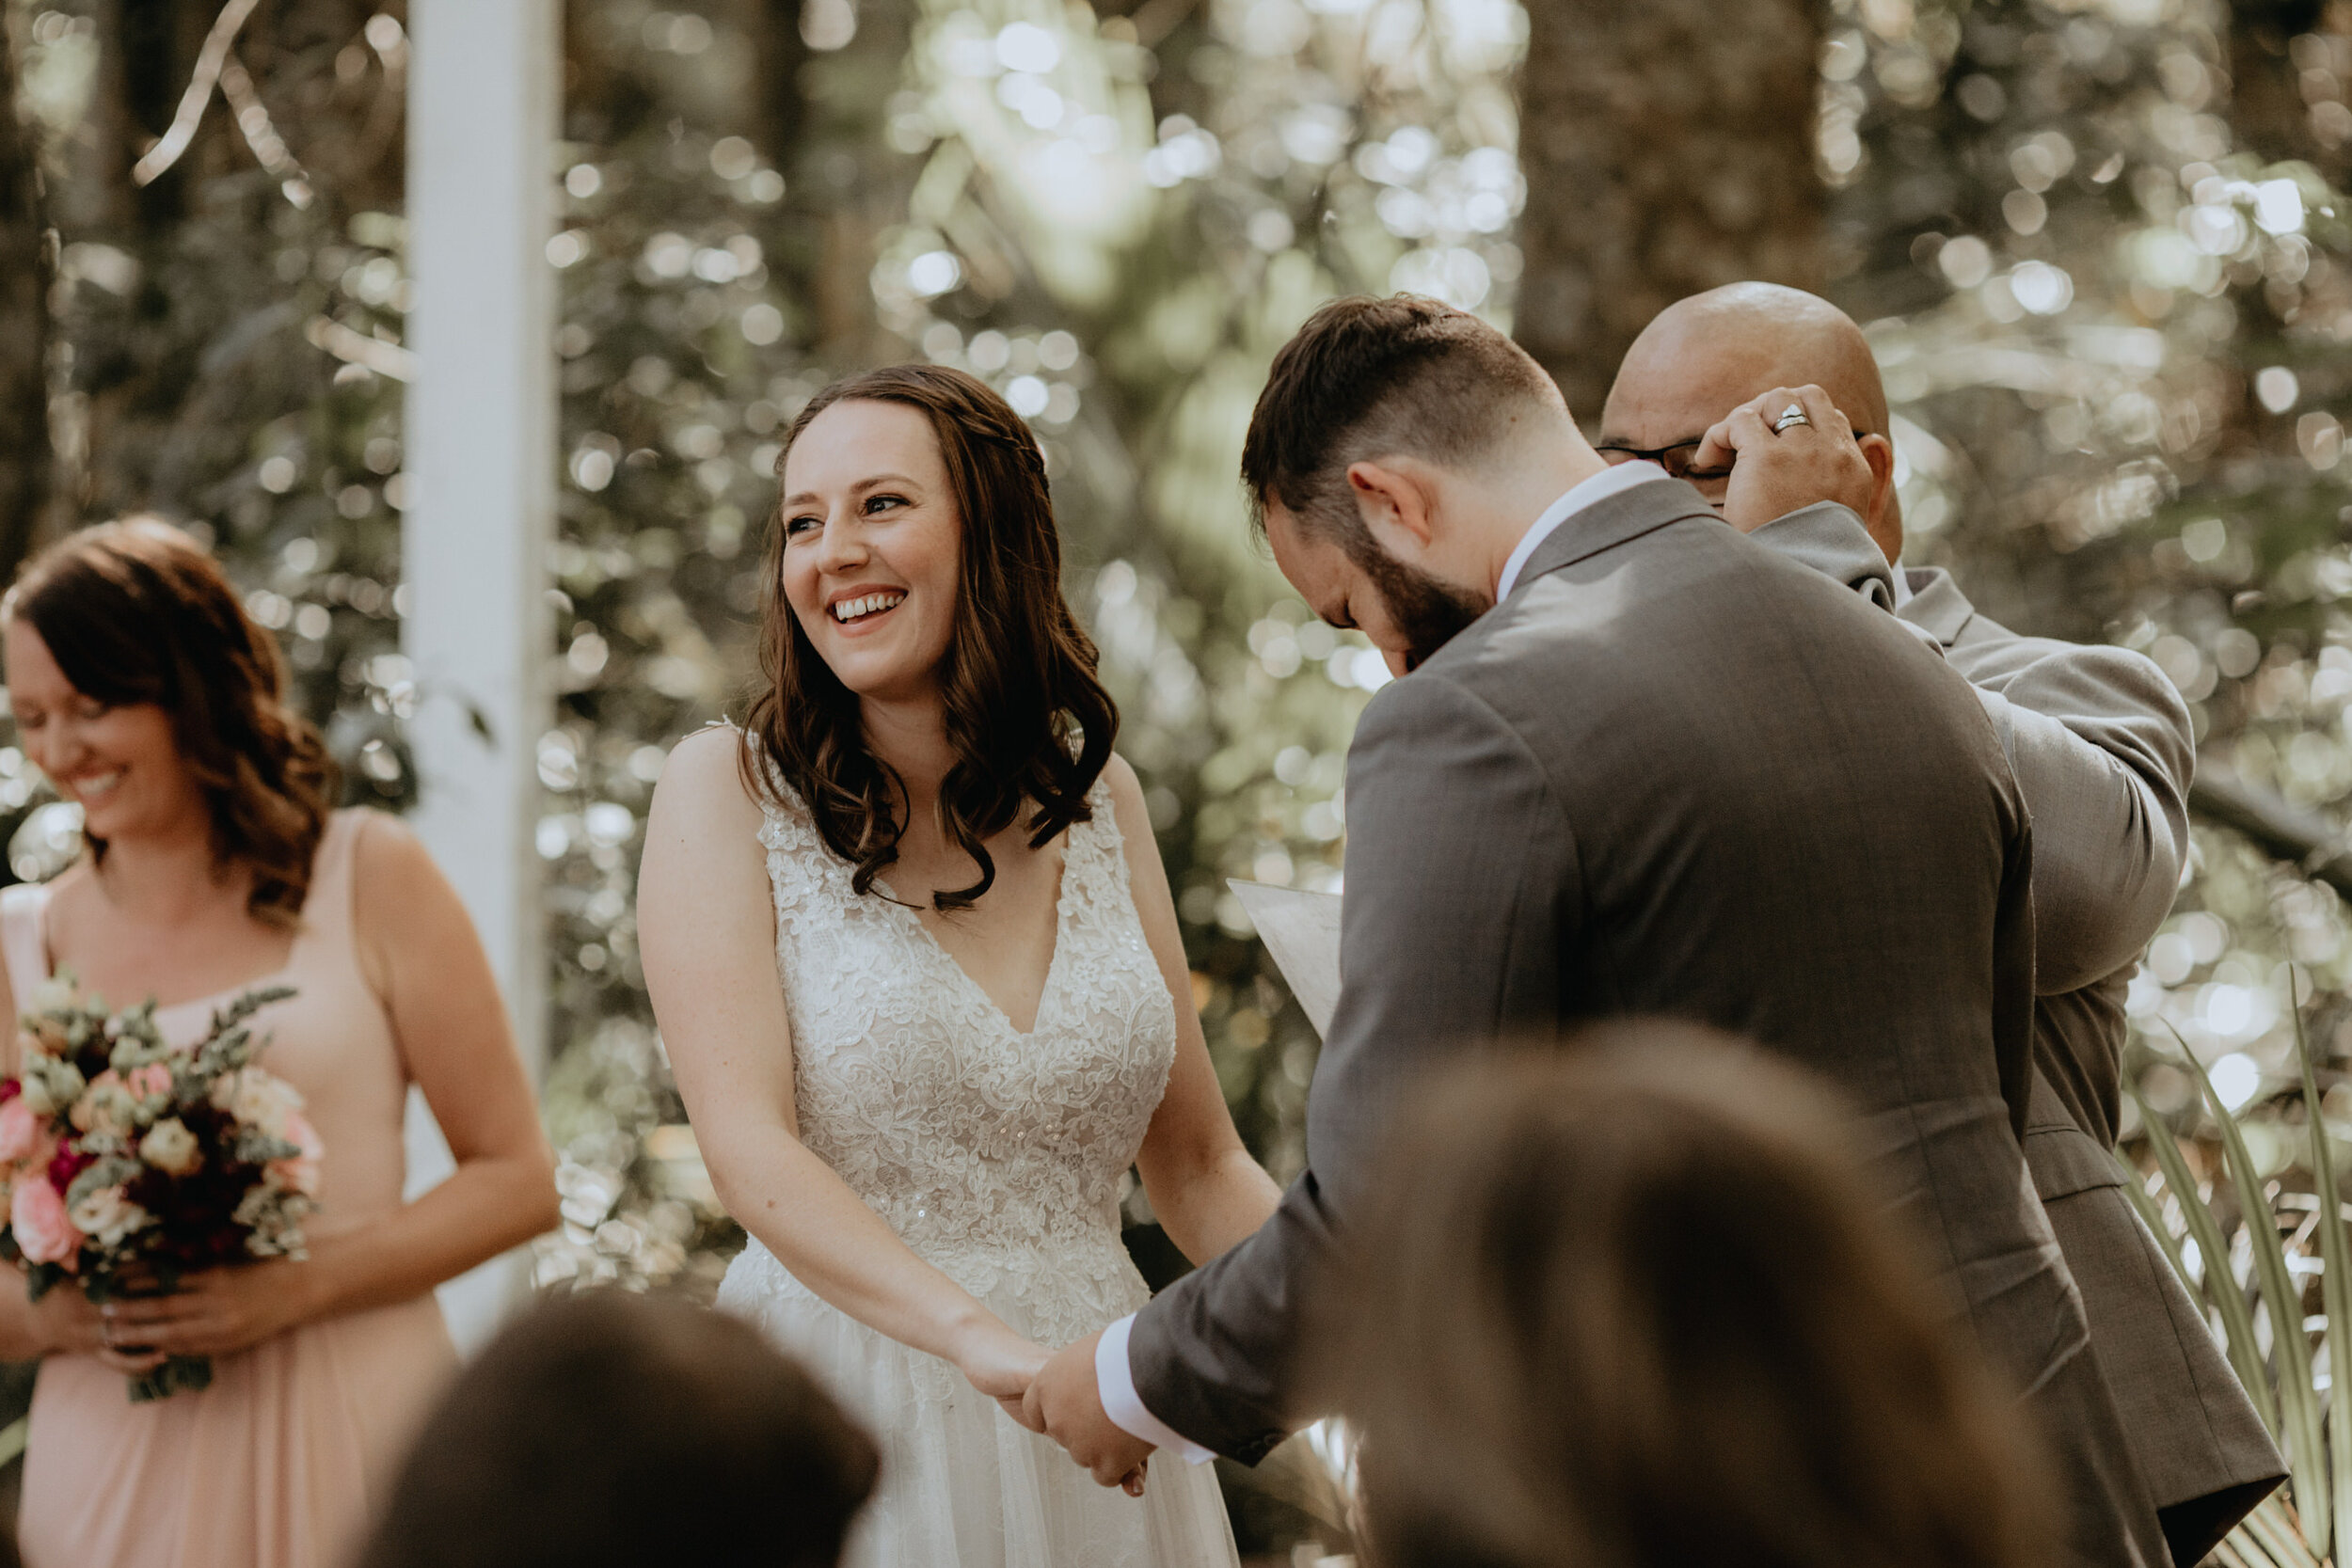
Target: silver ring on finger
1792,415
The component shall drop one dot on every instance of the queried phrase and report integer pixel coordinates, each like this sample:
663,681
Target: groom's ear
1397,500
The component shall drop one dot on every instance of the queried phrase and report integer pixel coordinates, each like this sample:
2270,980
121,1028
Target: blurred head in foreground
1632,1305
153,701
613,1429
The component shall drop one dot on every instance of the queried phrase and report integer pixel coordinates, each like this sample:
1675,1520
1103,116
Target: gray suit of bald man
2102,749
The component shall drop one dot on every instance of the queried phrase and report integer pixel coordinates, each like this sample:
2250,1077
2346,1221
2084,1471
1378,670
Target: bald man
2101,746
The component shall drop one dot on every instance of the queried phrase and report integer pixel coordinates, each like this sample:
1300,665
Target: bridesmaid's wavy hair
1030,724
137,612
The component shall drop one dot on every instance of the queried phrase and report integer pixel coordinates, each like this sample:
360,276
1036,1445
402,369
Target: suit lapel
1611,521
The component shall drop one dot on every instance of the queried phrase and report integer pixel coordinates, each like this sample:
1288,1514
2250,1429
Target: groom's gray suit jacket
1673,773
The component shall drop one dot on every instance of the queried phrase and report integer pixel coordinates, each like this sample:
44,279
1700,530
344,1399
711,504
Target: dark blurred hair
1030,724
137,612
609,1428
1635,1306
1368,378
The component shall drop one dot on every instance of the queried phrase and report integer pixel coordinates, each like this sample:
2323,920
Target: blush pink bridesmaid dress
279,1463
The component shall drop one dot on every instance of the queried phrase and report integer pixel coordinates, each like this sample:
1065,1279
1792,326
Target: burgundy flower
69,1163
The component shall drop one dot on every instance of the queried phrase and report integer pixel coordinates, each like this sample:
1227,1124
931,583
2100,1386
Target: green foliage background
2101,246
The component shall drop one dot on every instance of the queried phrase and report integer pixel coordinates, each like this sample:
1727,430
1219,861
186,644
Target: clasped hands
1054,1393
216,1311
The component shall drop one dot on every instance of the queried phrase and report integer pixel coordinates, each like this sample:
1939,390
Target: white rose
105,1107
169,1147
59,993
257,1099
106,1216
50,1085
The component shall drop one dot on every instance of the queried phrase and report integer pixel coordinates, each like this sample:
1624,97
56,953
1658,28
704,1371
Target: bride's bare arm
707,929
1203,1185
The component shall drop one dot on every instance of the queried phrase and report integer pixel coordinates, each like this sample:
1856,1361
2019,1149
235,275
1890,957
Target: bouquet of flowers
126,1163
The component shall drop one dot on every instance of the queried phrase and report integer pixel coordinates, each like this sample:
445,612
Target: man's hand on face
1065,1403
1776,472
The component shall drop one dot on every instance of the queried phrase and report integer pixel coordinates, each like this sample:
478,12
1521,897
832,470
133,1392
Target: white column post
481,455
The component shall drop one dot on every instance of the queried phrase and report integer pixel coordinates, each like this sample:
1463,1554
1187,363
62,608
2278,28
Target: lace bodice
996,1155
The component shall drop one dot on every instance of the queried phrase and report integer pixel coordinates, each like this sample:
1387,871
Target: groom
1664,771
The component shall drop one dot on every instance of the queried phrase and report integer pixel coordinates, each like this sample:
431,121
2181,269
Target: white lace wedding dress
996,1155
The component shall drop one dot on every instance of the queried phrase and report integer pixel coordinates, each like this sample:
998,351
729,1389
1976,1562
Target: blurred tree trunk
2267,113
2271,116
1668,147
819,111
202,326
26,269
779,106
25,276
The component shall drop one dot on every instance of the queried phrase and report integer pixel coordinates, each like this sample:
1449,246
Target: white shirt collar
1607,483
1902,584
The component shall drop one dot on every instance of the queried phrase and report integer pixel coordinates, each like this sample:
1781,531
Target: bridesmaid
214,864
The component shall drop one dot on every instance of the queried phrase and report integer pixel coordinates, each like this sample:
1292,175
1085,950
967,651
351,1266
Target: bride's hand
1001,1364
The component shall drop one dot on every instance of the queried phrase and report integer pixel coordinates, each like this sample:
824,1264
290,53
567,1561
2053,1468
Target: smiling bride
917,970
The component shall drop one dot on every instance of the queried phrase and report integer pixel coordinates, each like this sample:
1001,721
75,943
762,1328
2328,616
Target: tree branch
2304,839
208,66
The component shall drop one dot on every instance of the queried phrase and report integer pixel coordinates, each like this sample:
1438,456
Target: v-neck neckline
1053,963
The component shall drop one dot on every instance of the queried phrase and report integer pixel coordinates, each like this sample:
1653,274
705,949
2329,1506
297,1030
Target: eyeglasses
1676,460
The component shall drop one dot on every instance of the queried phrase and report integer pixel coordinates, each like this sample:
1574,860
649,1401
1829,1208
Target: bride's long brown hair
1030,725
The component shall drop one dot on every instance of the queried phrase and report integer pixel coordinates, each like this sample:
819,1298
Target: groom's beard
1426,611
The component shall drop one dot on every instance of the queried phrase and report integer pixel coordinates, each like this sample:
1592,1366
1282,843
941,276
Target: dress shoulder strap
1096,856
23,936
785,821
326,913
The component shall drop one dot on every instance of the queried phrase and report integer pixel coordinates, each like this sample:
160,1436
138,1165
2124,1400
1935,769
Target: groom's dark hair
1369,378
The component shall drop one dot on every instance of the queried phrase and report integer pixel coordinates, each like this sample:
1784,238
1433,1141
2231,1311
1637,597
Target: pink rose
43,1233
301,1173
151,1080
20,1130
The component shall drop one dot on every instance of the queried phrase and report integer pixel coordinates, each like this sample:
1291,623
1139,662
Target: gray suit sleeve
2103,751
1461,882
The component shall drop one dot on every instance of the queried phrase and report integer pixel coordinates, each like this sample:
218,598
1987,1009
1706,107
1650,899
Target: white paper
1302,930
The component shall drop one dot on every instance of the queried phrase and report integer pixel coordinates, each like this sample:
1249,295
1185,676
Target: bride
917,970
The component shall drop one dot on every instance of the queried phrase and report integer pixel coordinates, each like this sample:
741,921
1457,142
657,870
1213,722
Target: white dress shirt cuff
1116,1382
